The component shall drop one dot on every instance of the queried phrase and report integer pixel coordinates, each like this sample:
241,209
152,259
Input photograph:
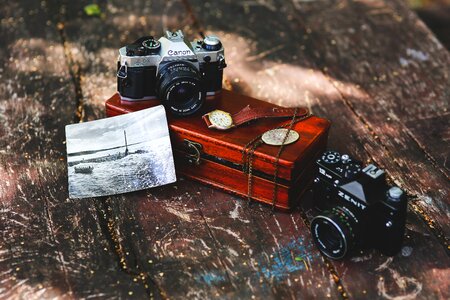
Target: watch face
220,119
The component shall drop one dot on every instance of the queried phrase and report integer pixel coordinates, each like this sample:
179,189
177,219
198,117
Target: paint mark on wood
179,213
362,258
234,234
210,278
234,214
417,54
293,257
408,287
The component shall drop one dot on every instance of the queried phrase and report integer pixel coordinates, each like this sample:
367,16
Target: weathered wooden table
371,67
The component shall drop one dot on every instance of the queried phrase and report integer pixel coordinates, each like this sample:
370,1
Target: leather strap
248,113
206,119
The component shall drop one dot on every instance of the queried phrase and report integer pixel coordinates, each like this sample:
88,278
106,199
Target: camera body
173,70
358,208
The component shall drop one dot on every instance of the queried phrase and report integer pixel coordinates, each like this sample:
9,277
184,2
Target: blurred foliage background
436,14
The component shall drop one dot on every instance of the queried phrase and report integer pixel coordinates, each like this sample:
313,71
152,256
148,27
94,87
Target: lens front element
334,232
181,91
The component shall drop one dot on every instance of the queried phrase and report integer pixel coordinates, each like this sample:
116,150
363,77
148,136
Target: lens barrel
179,88
334,232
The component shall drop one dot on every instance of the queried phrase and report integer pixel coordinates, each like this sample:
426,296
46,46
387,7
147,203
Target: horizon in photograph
108,133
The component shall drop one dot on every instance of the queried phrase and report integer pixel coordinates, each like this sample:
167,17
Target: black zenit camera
173,70
358,209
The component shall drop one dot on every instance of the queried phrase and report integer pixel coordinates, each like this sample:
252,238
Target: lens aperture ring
179,87
345,219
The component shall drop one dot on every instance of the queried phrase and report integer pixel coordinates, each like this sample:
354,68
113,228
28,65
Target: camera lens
179,87
334,232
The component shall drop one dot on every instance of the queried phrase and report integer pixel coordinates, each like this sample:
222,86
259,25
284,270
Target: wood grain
371,67
288,69
172,225
405,83
314,47
51,247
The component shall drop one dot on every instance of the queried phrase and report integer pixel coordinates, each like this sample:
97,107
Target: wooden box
214,157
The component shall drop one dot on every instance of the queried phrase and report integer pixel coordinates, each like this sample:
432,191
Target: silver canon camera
177,72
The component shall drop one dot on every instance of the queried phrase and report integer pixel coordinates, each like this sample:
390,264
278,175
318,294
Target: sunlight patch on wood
37,55
279,83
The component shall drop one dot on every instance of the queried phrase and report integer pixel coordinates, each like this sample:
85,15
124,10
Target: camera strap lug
123,71
222,63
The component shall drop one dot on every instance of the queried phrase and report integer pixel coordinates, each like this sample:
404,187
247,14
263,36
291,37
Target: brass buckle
195,150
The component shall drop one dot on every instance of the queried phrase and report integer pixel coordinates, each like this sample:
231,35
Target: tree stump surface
371,67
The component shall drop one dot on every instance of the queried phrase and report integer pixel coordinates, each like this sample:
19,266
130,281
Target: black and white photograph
119,154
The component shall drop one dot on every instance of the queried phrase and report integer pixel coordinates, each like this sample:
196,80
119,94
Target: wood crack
432,225
104,211
430,158
330,267
50,224
111,232
74,70
334,274
251,212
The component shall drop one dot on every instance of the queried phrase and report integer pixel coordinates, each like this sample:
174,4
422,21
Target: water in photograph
147,165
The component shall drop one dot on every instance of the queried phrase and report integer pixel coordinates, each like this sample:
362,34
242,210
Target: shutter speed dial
331,157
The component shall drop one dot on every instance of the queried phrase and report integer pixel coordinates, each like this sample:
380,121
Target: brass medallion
275,137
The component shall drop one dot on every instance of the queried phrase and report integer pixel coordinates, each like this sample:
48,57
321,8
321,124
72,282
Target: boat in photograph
84,170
